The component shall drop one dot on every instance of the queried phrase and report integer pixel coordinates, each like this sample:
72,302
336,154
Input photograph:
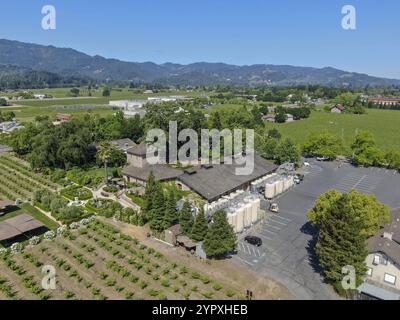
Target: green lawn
140,201
29,113
223,107
384,124
32,211
28,110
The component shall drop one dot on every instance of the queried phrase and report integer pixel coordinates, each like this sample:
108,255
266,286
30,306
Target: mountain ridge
73,63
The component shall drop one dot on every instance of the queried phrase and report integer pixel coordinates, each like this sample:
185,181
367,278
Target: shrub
71,214
153,292
230,293
217,287
79,192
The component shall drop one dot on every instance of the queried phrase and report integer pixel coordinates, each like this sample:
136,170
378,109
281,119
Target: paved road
287,253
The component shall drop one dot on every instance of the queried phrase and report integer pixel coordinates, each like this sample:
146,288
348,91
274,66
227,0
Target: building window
369,272
390,279
380,259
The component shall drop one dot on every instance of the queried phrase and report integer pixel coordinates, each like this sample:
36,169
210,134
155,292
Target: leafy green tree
104,153
70,214
106,92
266,146
200,227
216,122
57,204
322,144
280,117
74,92
171,215
274,134
256,113
151,187
365,151
157,211
186,219
3,102
392,159
341,242
348,99
220,238
365,207
322,206
287,151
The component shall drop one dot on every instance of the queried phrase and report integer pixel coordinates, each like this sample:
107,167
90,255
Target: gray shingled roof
391,248
123,143
138,150
213,182
161,172
18,225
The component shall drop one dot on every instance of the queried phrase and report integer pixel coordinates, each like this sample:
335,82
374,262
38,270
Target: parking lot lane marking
277,228
278,222
360,181
264,237
269,231
283,218
254,251
258,252
248,249
245,261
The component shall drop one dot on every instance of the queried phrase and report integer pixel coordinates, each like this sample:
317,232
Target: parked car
255,241
298,178
306,164
322,159
274,208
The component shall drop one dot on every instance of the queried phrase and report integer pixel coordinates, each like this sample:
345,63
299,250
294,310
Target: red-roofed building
384,100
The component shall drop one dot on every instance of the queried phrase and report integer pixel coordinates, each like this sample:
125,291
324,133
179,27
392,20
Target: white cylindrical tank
230,218
270,190
278,187
255,210
234,221
286,184
240,219
247,215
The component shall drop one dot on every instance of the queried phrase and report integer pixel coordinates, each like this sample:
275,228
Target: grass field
27,110
384,124
29,113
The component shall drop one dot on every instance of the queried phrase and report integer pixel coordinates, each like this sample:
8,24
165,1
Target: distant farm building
384,100
338,108
10,126
63,117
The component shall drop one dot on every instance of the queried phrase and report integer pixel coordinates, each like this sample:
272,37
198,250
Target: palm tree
104,153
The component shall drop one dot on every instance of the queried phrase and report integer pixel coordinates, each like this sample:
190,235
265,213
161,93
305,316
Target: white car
306,164
322,158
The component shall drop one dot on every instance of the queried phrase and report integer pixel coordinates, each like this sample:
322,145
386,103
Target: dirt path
226,271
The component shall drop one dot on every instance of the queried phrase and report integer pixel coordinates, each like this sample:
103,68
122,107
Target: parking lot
287,251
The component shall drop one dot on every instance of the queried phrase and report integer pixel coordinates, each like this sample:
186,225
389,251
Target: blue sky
295,32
